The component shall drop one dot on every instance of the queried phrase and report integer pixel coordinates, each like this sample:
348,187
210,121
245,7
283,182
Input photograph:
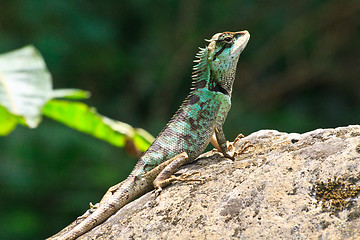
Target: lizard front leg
218,140
220,143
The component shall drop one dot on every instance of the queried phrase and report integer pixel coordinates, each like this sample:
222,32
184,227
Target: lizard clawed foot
185,177
238,138
247,144
182,178
88,212
232,157
93,207
158,190
244,146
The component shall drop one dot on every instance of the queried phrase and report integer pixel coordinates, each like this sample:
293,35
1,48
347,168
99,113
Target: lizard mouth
242,38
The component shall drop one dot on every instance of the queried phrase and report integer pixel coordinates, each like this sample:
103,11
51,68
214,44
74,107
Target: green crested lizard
198,121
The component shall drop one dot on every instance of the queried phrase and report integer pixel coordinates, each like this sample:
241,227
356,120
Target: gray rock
287,186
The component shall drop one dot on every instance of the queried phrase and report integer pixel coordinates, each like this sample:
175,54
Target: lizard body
187,134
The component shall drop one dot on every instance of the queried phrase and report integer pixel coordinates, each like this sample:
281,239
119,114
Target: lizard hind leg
165,176
92,209
104,199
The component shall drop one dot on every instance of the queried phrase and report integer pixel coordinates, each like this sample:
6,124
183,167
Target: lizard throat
218,88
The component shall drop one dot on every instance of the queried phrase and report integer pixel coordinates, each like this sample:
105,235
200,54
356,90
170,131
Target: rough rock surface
288,186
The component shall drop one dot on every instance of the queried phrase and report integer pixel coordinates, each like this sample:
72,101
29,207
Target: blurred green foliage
299,72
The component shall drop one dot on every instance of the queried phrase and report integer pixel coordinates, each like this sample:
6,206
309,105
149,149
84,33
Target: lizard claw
185,177
158,191
244,146
92,209
247,144
182,178
238,138
232,157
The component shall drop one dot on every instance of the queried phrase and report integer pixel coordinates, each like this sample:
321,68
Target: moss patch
336,194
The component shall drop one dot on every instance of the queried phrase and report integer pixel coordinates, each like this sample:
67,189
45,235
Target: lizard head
223,53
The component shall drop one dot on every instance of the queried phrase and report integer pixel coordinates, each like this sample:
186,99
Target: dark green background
300,71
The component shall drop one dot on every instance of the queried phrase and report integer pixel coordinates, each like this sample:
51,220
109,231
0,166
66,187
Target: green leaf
25,84
79,116
70,93
26,94
142,139
7,121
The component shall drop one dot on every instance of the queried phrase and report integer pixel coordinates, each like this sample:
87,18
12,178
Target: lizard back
189,130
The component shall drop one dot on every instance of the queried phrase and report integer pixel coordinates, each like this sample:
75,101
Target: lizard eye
228,40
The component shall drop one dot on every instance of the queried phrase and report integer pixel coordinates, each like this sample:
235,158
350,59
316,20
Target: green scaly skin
201,116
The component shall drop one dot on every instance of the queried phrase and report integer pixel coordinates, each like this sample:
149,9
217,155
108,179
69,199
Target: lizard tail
97,217
106,208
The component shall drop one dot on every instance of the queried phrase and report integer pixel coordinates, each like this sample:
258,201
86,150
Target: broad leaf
79,116
26,94
70,93
25,84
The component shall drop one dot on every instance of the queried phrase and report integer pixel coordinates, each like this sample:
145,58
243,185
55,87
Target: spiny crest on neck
201,71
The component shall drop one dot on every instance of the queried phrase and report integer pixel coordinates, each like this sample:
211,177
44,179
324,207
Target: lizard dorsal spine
201,71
